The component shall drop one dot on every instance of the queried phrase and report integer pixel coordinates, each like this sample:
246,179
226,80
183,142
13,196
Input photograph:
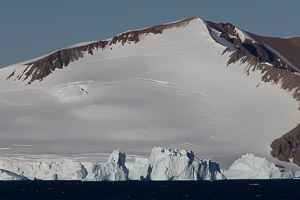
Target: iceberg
250,166
163,164
64,169
174,164
139,171
113,170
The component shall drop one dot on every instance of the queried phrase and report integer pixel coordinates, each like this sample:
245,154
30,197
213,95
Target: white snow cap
250,166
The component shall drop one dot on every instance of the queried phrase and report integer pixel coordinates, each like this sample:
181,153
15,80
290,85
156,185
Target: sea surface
225,189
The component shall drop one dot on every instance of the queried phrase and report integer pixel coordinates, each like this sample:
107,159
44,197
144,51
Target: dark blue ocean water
227,189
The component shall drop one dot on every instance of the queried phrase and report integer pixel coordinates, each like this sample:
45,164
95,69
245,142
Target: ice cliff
174,164
113,170
163,164
60,170
250,166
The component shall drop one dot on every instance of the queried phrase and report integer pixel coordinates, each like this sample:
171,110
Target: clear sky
31,28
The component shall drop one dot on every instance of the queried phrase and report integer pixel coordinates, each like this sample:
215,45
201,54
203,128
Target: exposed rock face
288,81
41,68
288,146
288,47
247,46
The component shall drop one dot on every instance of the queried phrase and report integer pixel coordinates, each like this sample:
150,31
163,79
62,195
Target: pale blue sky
31,28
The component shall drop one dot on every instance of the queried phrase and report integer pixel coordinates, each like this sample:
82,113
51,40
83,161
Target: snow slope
171,89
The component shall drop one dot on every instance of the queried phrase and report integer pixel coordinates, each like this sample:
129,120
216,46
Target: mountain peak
243,43
39,69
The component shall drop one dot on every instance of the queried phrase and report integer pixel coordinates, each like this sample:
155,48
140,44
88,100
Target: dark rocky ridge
41,68
248,47
287,47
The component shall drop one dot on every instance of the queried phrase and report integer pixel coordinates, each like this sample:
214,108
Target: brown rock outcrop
287,47
247,47
288,146
256,55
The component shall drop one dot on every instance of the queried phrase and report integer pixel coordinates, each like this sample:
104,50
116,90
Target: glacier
60,170
163,164
174,164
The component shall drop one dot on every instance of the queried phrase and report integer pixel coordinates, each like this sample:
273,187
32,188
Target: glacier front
163,164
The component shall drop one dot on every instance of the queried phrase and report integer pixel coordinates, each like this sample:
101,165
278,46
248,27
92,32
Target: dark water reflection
227,189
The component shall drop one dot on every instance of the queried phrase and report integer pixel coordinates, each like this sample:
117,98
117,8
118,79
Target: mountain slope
287,47
167,85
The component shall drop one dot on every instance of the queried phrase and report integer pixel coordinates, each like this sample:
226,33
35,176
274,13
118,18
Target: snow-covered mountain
207,87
